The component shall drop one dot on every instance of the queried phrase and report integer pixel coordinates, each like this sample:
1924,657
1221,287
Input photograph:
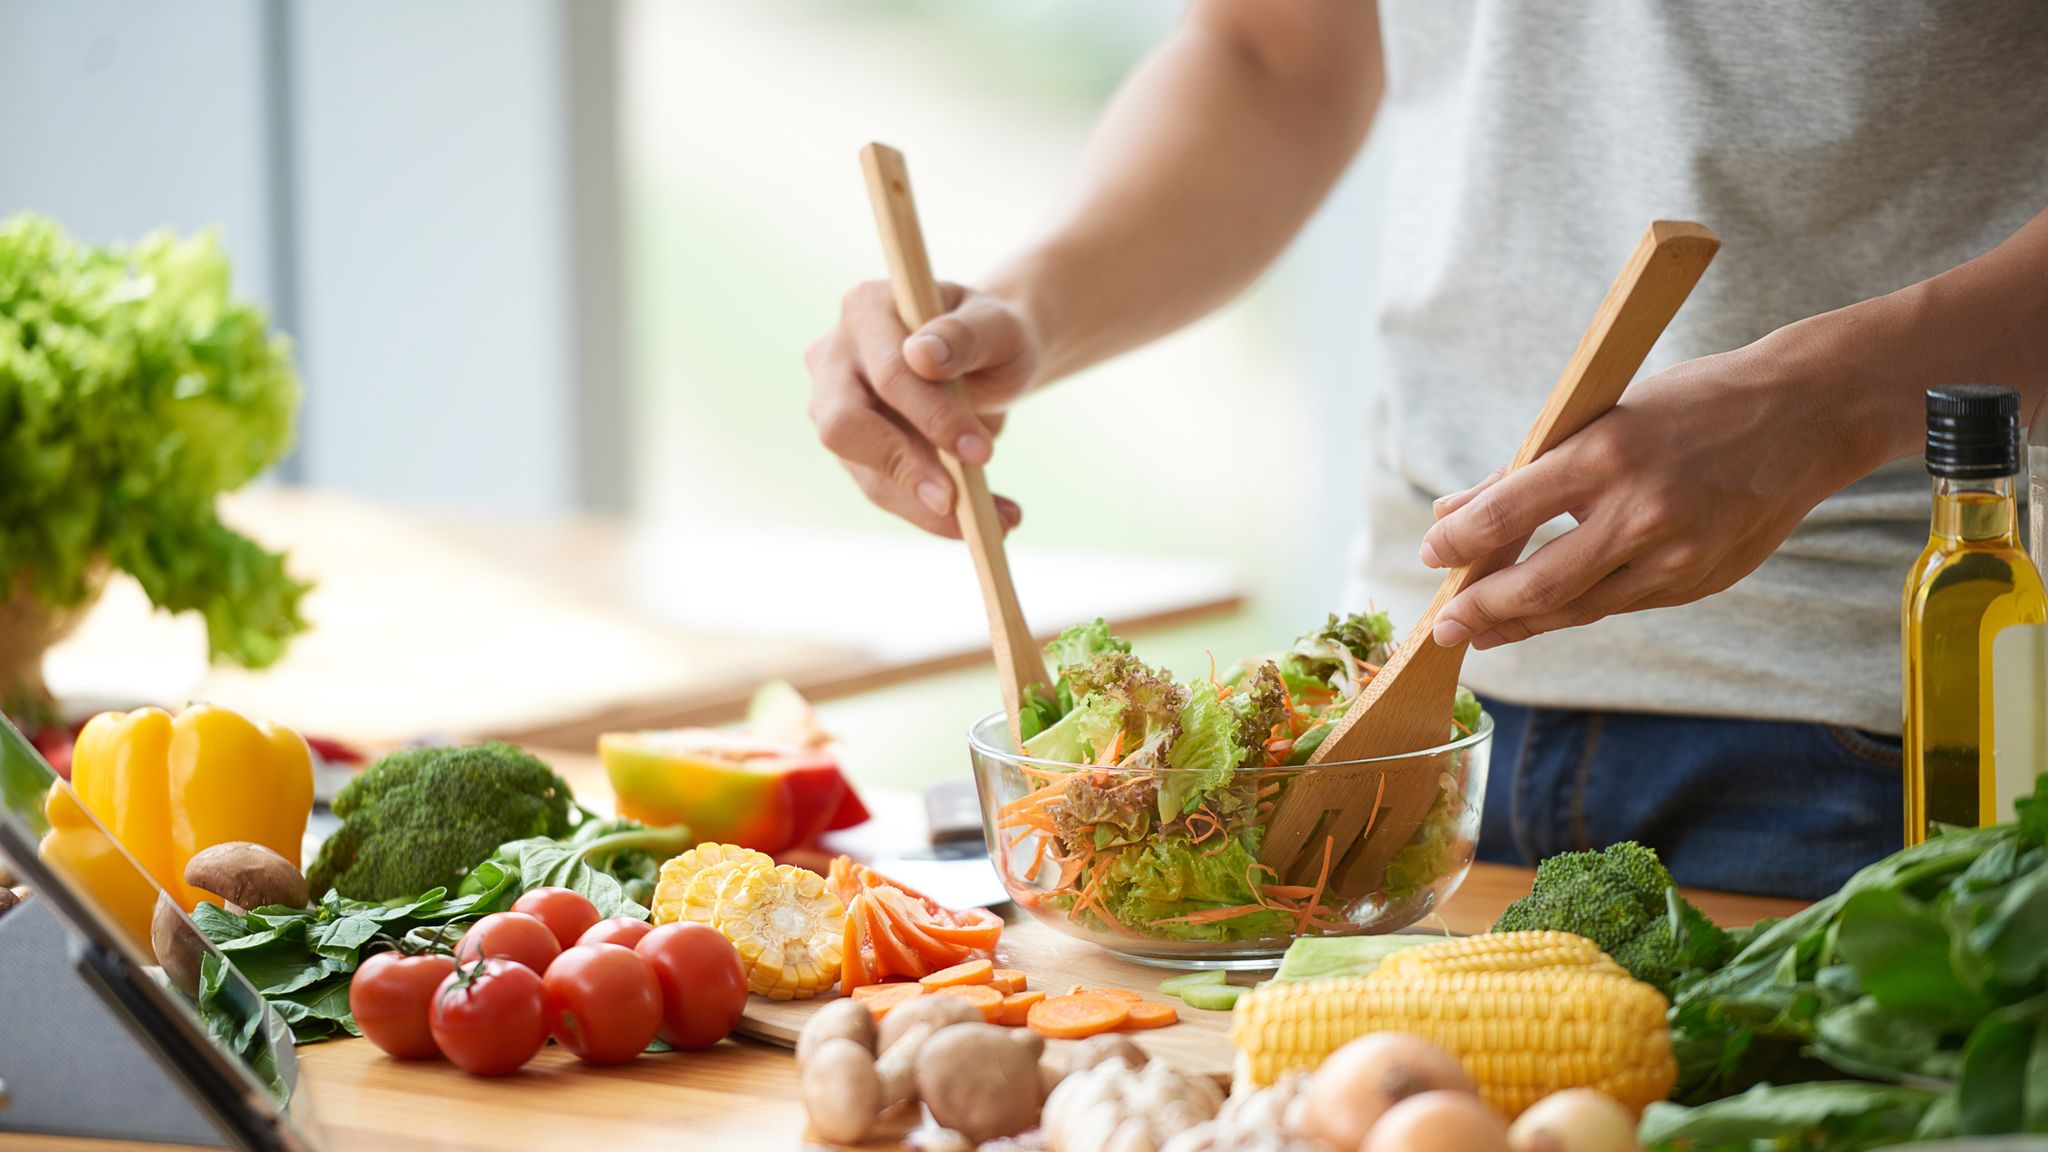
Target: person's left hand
1681,490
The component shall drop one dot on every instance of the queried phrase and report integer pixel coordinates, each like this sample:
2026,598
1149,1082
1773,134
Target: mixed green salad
1162,839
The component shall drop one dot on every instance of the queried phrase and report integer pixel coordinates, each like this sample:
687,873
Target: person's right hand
880,401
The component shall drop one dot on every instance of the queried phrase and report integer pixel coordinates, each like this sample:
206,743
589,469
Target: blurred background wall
553,255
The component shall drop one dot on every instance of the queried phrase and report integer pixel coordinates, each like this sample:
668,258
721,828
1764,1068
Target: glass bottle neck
1975,510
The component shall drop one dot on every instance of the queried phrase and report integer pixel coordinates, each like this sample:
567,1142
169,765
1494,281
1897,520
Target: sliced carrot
971,972
1008,980
986,999
854,971
1151,1014
1017,1007
1123,994
1077,1015
879,998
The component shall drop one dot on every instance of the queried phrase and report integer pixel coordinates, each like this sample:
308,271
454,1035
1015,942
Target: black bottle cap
1973,431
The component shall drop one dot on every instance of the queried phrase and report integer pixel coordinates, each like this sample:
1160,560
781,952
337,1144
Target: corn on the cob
1521,1034
787,925
677,896
1500,952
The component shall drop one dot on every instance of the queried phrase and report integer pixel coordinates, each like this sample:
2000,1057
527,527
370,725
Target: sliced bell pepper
729,787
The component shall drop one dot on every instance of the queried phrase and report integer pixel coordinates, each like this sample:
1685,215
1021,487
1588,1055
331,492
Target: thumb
978,335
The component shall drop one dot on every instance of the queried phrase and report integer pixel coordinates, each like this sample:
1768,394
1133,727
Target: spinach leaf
1841,1116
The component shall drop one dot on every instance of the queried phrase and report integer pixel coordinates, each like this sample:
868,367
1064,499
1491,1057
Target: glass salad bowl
1130,860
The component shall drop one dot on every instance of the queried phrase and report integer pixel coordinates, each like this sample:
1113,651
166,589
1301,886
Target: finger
890,496
979,335
1008,511
1555,575
930,409
1508,510
864,436
1628,588
1445,505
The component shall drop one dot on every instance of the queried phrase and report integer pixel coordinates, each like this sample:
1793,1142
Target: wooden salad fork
1018,663
1343,820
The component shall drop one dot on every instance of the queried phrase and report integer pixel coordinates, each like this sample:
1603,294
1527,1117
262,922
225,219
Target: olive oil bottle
1975,623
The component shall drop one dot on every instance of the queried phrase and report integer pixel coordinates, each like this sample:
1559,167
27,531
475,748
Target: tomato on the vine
389,996
621,930
514,936
703,983
603,1002
567,912
489,1017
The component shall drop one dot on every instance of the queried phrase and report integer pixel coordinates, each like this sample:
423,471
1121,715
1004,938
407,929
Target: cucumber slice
1213,997
1179,984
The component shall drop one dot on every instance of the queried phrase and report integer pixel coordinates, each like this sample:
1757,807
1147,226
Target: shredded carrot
1213,915
1076,1017
1378,795
1315,898
1114,752
1042,796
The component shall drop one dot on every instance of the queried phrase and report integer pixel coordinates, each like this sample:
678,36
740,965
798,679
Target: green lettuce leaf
1171,878
1204,757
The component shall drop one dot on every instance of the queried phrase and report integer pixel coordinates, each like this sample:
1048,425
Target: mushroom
1086,1054
176,944
843,1019
846,1085
7,900
977,1081
247,876
843,1093
923,1012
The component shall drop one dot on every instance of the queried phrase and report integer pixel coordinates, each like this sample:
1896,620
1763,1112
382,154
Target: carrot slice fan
1017,1007
985,999
972,972
1008,980
879,998
1076,1016
1151,1014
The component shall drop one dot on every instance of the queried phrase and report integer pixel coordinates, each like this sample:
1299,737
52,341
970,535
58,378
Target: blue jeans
1767,807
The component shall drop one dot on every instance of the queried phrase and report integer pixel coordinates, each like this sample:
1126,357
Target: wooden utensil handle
1668,261
1018,664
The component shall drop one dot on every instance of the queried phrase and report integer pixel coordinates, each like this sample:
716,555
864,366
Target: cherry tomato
389,997
703,983
603,1002
514,936
621,930
489,1017
568,914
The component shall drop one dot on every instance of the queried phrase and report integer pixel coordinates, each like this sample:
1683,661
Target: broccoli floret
422,818
1622,899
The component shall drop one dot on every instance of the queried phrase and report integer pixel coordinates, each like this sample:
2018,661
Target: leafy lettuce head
133,390
1333,656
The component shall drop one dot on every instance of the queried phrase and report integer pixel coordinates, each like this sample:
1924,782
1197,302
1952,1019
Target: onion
1363,1079
1575,1120
1439,1121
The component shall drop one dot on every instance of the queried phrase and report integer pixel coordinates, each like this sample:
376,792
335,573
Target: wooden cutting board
1055,963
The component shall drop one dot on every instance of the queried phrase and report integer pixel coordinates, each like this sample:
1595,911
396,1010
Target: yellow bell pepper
171,788
83,852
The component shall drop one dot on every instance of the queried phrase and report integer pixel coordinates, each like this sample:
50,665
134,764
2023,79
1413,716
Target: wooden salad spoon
1367,812
1019,665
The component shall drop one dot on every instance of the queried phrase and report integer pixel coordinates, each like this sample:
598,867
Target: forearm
1985,321
1203,168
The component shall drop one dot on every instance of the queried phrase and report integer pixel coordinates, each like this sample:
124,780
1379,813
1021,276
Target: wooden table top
739,1095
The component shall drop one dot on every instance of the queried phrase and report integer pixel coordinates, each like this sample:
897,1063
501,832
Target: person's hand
1681,490
880,402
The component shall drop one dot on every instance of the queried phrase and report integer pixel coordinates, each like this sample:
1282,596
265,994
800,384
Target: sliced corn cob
673,892
1521,1034
1500,952
788,927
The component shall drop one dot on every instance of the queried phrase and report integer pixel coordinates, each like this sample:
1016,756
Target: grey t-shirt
1841,151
